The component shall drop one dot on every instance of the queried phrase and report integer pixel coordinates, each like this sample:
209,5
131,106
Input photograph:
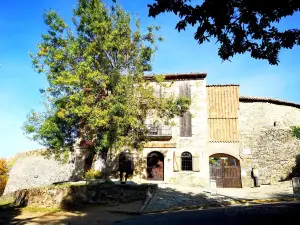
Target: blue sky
21,25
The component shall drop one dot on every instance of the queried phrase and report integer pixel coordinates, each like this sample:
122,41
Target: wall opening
225,170
155,166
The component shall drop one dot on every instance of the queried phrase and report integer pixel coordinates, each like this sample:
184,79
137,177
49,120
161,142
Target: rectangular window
185,120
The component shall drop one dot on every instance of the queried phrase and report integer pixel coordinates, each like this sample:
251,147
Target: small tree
3,175
97,96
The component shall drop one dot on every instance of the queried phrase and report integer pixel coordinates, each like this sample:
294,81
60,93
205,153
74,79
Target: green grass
36,209
6,202
59,185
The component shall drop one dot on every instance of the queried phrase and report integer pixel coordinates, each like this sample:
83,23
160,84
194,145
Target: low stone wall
71,196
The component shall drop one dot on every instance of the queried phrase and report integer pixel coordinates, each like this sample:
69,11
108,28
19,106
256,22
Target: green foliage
97,95
3,175
92,174
214,161
239,26
296,131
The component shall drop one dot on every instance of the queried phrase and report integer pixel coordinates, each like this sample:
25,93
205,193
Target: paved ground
254,215
168,196
283,189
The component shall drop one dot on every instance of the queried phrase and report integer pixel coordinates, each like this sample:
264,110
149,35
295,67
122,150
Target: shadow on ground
164,199
8,213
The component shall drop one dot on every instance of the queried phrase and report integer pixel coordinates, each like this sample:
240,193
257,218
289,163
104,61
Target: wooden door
226,176
155,166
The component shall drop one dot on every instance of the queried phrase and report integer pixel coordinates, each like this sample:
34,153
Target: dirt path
88,215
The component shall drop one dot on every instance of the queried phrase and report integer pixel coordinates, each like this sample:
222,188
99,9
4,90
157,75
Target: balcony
159,132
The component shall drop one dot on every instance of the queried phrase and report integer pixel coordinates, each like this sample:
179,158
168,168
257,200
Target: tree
97,97
3,175
238,25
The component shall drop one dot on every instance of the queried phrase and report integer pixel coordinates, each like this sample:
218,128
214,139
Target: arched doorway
155,166
226,170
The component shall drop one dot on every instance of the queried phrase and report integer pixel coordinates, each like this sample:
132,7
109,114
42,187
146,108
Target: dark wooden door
226,176
155,166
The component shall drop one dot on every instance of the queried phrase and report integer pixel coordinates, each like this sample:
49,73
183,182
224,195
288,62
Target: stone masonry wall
32,169
72,196
196,144
266,140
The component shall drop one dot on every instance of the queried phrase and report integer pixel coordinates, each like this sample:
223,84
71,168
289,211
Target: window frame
186,161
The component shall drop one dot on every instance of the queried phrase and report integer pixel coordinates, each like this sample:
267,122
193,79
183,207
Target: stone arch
155,166
226,150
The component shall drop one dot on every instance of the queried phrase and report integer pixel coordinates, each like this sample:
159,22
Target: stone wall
72,196
33,169
196,144
266,140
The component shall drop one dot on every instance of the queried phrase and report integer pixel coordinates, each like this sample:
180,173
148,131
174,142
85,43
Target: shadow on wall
296,169
110,168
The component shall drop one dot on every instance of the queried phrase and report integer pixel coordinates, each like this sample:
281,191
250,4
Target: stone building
222,137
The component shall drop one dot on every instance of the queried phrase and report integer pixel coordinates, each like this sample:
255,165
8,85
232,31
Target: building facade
222,137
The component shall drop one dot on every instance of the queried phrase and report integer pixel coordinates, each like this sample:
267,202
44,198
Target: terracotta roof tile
179,76
269,100
221,85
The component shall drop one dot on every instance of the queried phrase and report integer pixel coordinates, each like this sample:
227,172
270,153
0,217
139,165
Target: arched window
186,161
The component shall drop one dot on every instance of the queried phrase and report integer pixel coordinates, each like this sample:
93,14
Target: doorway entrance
155,166
225,170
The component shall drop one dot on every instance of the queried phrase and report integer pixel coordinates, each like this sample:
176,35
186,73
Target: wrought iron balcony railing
159,130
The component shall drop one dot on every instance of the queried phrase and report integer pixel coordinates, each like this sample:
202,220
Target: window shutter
176,161
187,90
185,120
196,166
181,90
188,125
183,126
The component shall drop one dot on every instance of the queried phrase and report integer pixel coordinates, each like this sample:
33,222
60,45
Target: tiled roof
222,85
269,100
178,76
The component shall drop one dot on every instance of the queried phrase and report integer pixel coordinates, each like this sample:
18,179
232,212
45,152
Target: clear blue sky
21,25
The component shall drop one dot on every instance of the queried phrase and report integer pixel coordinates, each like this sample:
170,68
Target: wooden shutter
176,161
186,125
185,120
196,166
182,126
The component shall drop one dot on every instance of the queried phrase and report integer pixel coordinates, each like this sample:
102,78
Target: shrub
92,174
296,131
3,175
